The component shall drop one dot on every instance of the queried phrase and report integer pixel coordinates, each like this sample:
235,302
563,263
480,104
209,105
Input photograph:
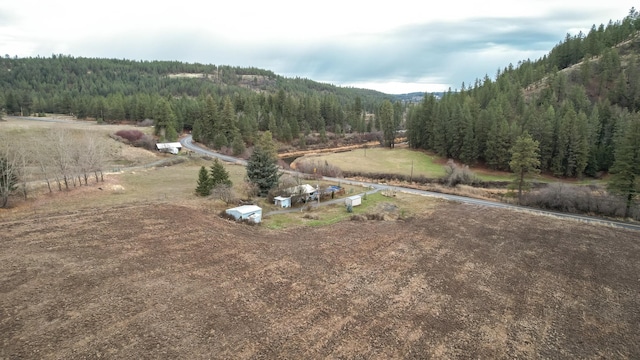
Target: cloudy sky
395,47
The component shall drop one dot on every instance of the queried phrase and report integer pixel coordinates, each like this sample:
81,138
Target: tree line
577,115
112,90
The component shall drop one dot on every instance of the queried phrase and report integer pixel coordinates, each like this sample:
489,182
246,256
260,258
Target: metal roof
246,209
175,145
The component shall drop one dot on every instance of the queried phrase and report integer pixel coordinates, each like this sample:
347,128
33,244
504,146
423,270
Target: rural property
169,281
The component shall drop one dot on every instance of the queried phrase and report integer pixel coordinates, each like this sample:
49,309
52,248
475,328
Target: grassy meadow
402,161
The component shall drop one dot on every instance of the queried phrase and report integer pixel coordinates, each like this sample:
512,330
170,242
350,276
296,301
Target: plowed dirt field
163,281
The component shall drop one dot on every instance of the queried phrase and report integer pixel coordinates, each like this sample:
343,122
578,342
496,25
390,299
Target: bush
579,199
225,193
376,216
455,174
146,142
130,135
319,169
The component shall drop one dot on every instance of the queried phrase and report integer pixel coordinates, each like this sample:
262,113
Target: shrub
375,216
146,142
319,169
455,174
130,135
578,199
225,193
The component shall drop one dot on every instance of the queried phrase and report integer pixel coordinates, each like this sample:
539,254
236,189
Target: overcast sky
395,46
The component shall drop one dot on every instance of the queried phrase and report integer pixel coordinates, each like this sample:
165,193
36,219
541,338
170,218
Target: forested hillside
576,102
206,98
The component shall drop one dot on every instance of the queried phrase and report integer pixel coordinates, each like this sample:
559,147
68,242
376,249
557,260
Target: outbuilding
172,147
246,212
282,201
354,200
304,192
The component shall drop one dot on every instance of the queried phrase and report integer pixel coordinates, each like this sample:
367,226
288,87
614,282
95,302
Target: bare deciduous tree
224,192
59,141
10,161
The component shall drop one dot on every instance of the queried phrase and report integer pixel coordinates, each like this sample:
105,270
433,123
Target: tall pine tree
625,179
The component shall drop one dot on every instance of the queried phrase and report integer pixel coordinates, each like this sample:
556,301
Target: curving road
187,142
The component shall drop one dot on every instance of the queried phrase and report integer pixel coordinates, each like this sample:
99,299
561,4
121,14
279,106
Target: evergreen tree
387,123
440,130
625,179
262,170
220,141
228,124
266,143
165,121
237,145
210,120
219,175
198,129
204,183
524,160
573,147
469,151
498,145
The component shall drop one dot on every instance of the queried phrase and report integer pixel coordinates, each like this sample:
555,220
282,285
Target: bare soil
164,281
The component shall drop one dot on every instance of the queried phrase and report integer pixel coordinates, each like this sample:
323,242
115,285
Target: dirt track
171,282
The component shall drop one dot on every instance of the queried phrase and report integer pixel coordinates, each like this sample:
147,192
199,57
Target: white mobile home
173,147
354,200
246,212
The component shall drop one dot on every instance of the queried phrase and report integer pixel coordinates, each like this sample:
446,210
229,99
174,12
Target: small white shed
246,212
354,200
282,201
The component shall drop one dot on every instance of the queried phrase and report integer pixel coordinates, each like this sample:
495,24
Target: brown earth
162,281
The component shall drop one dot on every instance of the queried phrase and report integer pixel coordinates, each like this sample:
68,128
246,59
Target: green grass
400,161
383,160
327,215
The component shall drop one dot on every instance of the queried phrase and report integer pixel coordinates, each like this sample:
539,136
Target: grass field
398,206
400,160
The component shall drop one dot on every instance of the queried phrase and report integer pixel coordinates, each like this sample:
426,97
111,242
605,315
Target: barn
354,200
246,212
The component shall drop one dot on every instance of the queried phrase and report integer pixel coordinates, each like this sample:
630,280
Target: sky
395,47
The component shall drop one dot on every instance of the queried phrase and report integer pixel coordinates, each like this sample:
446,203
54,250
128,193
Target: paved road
187,142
